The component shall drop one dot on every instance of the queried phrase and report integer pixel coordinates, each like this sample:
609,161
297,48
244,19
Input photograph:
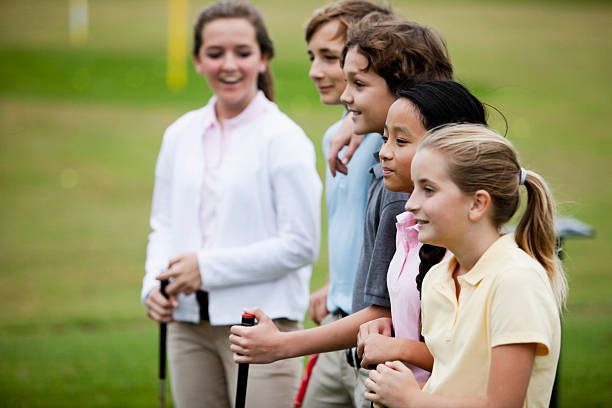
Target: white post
78,22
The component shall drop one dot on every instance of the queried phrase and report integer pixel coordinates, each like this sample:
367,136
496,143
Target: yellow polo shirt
506,298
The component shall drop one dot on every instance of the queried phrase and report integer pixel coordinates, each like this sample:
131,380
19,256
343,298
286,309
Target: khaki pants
203,373
360,376
333,381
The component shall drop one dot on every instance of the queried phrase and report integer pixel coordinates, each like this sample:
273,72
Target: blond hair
478,158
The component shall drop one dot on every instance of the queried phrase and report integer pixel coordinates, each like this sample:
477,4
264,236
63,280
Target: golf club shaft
243,368
162,353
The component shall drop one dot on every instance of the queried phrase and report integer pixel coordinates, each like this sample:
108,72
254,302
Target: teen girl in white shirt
235,217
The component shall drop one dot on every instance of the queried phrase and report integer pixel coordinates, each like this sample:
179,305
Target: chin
395,187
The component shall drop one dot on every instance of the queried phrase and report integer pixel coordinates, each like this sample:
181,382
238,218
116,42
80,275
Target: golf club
162,353
243,368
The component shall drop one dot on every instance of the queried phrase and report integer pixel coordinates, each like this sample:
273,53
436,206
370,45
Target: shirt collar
491,256
376,168
254,109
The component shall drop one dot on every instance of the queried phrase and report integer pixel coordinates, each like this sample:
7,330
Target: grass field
80,128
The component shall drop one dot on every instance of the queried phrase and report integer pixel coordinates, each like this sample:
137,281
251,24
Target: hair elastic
523,176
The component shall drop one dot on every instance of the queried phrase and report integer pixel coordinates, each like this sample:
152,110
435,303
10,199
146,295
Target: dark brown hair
404,53
346,12
239,9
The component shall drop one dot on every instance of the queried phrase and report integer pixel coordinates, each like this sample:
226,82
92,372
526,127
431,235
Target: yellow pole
176,74
78,22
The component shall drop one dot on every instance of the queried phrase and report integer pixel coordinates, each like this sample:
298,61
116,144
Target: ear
263,64
199,67
481,201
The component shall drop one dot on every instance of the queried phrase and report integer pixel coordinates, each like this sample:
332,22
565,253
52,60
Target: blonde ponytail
535,233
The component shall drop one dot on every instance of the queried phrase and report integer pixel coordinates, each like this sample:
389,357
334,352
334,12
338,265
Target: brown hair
345,12
478,158
404,53
239,9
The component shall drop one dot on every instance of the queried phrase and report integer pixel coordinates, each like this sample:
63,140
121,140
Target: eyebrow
402,129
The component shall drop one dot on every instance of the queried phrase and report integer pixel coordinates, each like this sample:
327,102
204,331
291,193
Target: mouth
421,223
230,80
354,112
387,171
324,88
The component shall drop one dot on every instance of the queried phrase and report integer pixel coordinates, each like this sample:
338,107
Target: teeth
230,80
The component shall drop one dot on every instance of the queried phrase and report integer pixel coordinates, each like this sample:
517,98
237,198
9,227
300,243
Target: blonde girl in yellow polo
491,313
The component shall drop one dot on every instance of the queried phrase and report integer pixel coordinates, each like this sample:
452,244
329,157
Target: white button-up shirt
267,211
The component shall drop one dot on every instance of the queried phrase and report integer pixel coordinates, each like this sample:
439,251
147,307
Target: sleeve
296,190
376,292
158,247
523,310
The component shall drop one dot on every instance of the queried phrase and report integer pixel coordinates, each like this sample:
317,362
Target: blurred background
84,100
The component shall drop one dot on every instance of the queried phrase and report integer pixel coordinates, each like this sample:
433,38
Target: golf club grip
243,368
162,337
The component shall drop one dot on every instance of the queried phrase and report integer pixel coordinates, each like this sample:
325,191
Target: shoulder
284,135
519,270
186,122
391,200
436,273
331,131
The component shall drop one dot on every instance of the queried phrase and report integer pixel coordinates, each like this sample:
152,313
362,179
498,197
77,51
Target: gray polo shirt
378,247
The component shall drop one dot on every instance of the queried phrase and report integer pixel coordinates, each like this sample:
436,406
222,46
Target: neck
225,110
472,246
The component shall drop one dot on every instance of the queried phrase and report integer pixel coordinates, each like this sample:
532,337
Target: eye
214,54
333,58
310,57
384,139
428,190
359,84
401,141
244,53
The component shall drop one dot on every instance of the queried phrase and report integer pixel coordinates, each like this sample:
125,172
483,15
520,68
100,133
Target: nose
315,70
385,152
229,62
346,97
412,204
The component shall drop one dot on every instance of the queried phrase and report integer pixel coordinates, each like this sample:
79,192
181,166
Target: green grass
79,133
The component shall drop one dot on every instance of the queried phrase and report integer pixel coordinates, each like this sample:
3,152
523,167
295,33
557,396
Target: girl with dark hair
491,312
235,213
418,109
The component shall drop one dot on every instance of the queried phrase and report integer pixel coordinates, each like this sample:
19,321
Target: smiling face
230,60
403,133
440,208
324,51
366,96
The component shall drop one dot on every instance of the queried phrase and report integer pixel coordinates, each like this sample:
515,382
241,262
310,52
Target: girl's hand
392,385
186,273
158,307
372,341
256,344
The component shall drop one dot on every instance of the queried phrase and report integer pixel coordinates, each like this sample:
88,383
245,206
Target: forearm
338,335
415,353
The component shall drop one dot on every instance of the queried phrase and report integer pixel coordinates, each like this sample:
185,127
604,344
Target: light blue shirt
346,198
